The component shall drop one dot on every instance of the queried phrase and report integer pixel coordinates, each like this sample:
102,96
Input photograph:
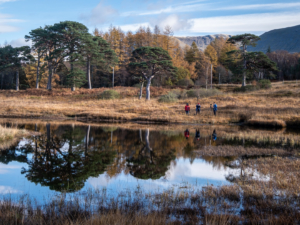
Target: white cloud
5,21
100,14
244,23
19,42
173,21
182,7
8,190
6,168
262,6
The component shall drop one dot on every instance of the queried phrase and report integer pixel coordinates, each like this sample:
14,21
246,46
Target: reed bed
238,151
209,205
263,138
10,136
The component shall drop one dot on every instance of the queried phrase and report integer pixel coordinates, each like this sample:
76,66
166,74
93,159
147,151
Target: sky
187,18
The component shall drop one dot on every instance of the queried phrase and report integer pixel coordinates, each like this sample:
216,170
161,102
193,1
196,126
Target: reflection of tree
66,169
149,164
189,152
218,162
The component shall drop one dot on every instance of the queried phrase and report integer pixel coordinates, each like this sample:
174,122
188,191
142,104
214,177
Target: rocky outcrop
201,41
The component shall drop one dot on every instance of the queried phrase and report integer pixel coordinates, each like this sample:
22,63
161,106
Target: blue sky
187,18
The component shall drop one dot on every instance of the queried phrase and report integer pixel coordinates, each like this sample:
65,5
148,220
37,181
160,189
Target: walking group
214,108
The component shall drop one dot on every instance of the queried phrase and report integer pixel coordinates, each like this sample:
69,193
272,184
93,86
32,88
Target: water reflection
69,158
148,163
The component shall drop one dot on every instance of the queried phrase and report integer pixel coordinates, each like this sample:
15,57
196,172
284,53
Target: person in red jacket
187,133
187,109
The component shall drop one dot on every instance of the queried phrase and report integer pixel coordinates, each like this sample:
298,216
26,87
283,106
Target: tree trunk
141,90
88,67
245,67
17,80
148,88
49,85
244,79
38,72
73,88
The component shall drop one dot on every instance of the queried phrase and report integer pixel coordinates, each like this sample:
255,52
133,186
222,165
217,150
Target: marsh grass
233,204
10,136
261,105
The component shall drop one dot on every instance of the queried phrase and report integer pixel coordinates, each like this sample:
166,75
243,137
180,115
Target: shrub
109,94
264,84
169,97
202,93
185,82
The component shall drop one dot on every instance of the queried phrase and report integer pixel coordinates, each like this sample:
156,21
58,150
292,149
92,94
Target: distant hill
201,41
280,39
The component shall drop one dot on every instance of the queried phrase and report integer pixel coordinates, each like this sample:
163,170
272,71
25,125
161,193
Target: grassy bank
278,106
8,136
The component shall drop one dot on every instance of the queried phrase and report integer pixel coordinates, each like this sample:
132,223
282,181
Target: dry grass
85,105
232,204
229,151
9,136
265,138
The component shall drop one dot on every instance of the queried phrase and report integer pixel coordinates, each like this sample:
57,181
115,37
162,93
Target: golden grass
9,136
232,151
84,105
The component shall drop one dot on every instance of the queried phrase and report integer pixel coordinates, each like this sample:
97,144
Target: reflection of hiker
214,135
187,133
215,108
187,109
197,136
198,108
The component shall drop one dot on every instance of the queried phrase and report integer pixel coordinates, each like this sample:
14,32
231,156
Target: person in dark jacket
187,109
215,108
197,136
187,133
198,108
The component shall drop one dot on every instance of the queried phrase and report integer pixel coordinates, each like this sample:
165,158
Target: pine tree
244,40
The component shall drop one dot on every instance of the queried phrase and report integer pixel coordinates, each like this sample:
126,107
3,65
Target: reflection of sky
180,174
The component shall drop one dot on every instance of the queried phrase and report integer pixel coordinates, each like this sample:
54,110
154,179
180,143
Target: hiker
214,135
215,108
198,108
187,133
187,109
197,136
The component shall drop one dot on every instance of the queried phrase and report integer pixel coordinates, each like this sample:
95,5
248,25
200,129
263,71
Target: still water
80,158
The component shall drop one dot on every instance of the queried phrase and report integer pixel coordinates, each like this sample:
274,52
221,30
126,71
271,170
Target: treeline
67,55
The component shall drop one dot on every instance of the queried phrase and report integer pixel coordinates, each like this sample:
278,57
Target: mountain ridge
287,39
201,41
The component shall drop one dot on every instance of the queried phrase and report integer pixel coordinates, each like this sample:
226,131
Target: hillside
201,41
280,39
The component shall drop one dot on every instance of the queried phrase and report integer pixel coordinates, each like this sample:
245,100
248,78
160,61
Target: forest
67,55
